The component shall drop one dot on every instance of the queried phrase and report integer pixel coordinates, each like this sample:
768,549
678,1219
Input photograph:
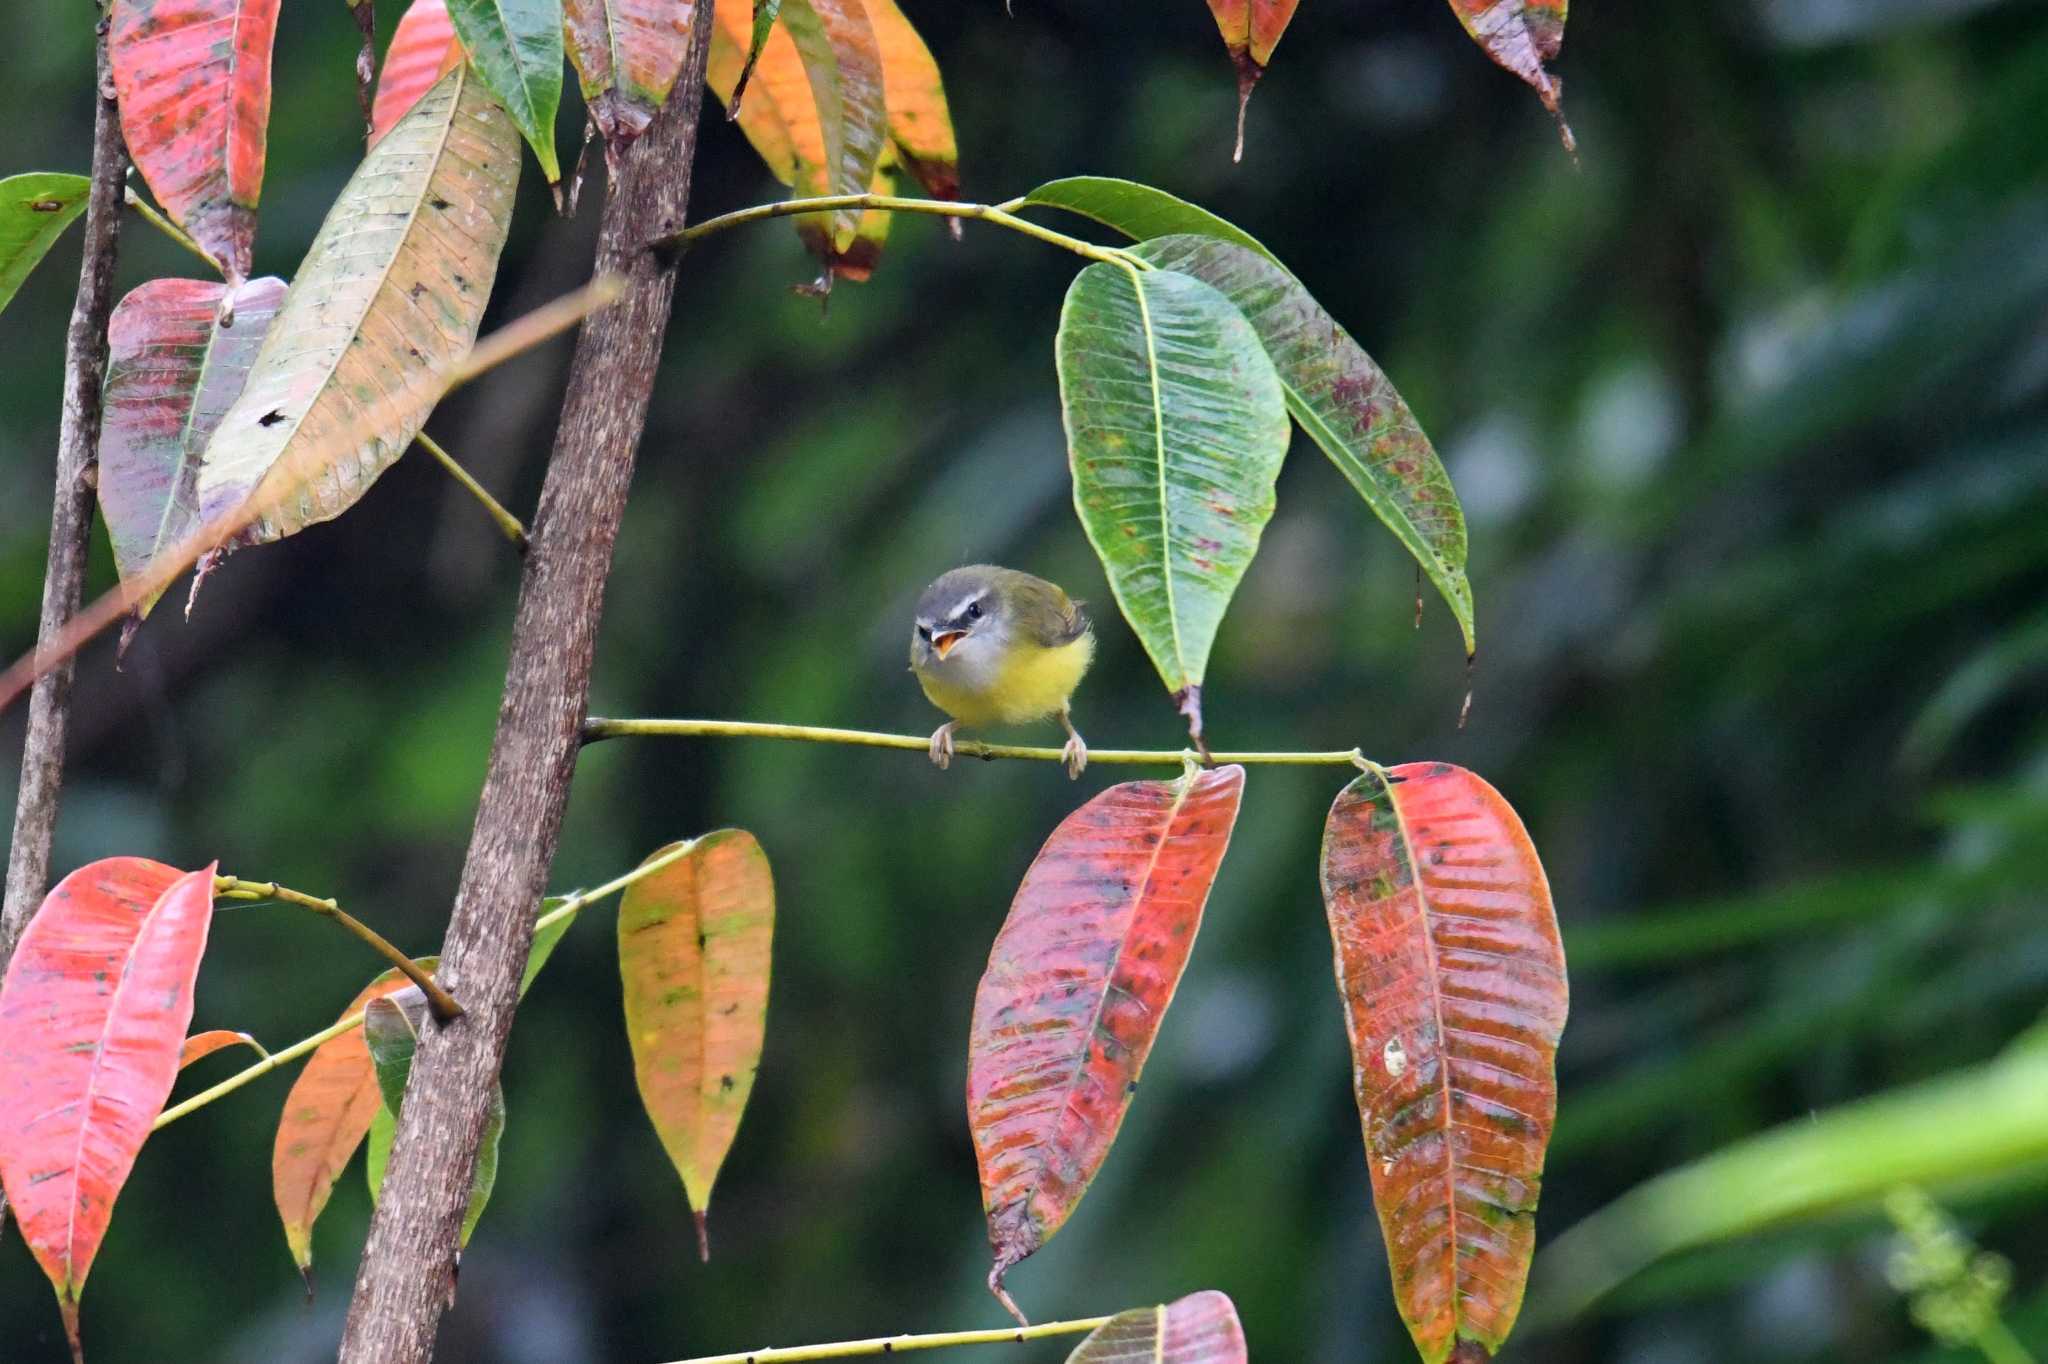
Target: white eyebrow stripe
965,602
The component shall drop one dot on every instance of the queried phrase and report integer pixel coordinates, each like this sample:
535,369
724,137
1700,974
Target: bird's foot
942,745
1075,754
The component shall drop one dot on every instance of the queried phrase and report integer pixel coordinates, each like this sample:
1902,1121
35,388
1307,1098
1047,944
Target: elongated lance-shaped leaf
391,1031
93,1013
193,81
843,65
389,296
34,211
1345,402
1521,35
1251,29
516,46
201,1045
1334,389
326,1114
1077,985
1452,980
766,12
920,119
627,54
1176,427
694,955
1201,1328
172,373
423,49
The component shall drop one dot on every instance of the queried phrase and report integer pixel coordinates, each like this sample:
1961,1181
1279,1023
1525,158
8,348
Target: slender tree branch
169,228
999,214
595,730
890,1345
234,888
507,522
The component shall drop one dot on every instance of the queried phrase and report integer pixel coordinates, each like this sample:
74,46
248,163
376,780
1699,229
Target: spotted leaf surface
93,1014
694,957
1521,36
1201,1328
516,47
325,1117
172,373
34,211
389,296
423,49
1453,984
1077,985
193,81
1176,427
1345,402
627,54
391,1027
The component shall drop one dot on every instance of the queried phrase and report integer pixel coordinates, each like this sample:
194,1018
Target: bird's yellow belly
1029,684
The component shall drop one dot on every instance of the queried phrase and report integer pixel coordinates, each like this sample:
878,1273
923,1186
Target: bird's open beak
945,641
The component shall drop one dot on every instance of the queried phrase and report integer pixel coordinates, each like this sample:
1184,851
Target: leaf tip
1248,73
306,1277
995,1286
67,1307
703,1220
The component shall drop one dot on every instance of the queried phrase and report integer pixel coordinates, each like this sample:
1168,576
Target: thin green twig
169,228
506,521
890,1345
234,888
999,214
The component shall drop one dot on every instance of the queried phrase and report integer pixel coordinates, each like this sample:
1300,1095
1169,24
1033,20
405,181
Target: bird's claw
942,747
1075,756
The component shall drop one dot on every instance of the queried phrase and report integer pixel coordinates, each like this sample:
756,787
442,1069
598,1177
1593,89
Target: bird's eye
974,610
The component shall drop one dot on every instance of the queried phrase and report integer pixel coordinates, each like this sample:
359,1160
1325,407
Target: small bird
995,646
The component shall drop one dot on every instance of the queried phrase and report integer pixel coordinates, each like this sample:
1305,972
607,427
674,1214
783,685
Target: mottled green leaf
1138,211
516,46
34,211
391,1029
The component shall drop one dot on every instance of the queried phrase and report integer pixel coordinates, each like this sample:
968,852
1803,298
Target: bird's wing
1051,616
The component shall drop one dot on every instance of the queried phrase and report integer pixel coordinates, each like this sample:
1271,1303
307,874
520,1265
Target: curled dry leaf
1201,1328
627,54
1521,35
1077,985
695,943
423,49
1452,979
34,211
93,1015
193,81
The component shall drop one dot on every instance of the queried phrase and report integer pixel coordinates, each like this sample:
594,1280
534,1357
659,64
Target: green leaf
34,211
844,65
516,45
765,14
545,938
1176,427
1345,402
391,1028
1138,211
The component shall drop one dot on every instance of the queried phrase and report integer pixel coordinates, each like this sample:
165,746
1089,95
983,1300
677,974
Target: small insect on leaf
1077,985
93,1014
34,211
1201,1328
1452,980
695,943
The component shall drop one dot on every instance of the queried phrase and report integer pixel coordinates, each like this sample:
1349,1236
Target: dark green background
1750,417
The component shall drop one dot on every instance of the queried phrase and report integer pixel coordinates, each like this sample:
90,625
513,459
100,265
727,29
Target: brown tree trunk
405,1278
78,443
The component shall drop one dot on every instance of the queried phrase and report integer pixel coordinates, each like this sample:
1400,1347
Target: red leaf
1521,35
1201,1328
1077,983
1454,994
627,54
423,49
92,1016
201,1045
193,80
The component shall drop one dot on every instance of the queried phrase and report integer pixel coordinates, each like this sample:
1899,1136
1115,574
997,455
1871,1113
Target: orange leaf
201,1045
627,53
1251,30
1453,985
1077,983
694,956
1521,35
423,49
326,1116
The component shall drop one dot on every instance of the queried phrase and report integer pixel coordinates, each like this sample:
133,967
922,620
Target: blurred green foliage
1750,418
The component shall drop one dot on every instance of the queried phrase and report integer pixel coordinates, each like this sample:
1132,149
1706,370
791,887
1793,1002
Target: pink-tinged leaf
627,54
193,81
325,1118
201,1045
172,372
423,49
1251,29
1077,984
1201,1328
695,943
1453,984
1521,35
92,1016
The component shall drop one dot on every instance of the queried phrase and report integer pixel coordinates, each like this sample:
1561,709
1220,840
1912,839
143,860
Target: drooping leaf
1251,29
201,1045
694,955
1453,985
516,46
920,120
93,1014
391,1027
389,295
1521,35
766,12
1201,1328
34,211
1077,985
858,261
545,939
627,54
325,1116
193,81
1345,402
172,373
423,49
1176,428
1334,389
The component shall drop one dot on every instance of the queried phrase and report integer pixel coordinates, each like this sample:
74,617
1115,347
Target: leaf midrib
1159,442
